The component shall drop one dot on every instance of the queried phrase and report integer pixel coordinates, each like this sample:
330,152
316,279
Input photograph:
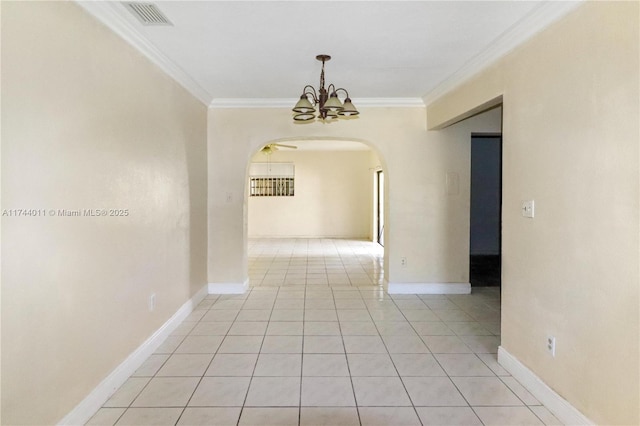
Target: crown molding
539,19
390,102
289,102
108,13
544,15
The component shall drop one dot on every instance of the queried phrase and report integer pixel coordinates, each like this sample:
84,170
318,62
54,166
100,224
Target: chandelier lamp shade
323,103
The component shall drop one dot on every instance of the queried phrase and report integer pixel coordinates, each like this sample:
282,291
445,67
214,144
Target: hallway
317,341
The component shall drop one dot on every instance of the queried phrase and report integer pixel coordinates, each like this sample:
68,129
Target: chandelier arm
344,90
313,92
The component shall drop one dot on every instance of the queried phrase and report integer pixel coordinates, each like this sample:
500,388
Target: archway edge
257,146
293,139
398,136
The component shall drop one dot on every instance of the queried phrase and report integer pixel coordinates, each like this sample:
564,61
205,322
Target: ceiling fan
273,147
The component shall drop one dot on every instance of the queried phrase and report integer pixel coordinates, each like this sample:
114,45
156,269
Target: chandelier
326,100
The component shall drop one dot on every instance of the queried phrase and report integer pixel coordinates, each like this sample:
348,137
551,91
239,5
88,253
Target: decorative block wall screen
271,180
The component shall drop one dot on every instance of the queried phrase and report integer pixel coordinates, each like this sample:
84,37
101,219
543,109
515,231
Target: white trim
228,288
390,102
539,19
289,103
112,15
560,407
98,396
429,288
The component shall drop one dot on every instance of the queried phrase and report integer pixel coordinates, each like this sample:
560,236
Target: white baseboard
229,288
92,403
560,407
429,288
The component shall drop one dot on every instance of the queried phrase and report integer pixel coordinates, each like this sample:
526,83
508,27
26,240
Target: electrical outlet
152,302
403,261
551,345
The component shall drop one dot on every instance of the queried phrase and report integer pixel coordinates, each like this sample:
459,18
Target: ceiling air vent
147,13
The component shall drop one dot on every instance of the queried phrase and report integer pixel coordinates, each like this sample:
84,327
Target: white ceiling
242,51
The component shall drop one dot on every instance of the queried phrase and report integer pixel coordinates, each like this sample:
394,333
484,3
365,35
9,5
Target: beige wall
571,108
424,224
333,197
87,122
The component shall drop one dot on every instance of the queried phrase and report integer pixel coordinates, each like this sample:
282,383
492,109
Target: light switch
528,208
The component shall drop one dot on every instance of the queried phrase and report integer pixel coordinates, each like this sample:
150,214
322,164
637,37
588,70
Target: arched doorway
318,201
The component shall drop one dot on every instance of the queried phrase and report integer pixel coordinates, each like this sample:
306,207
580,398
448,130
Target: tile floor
317,341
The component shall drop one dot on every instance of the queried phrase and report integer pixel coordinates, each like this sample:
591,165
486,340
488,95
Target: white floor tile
364,344
248,328
327,392
220,392
383,416
167,392
282,344
335,416
232,365
405,344
545,415
446,344
380,392
214,416
274,392
358,328
278,365
371,365
353,315
321,328
433,391
507,416
254,315
431,328
491,361
199,344
285,328
106,417
151,366
241,344
324,365
125,395
395,328
269,416
520,391
486,391
450,416
463,365
323,345
150,416
211,328
417,365
287,315
183,365
169,345
320,315
313,336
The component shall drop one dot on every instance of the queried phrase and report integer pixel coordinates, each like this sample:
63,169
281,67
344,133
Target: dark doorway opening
486,205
